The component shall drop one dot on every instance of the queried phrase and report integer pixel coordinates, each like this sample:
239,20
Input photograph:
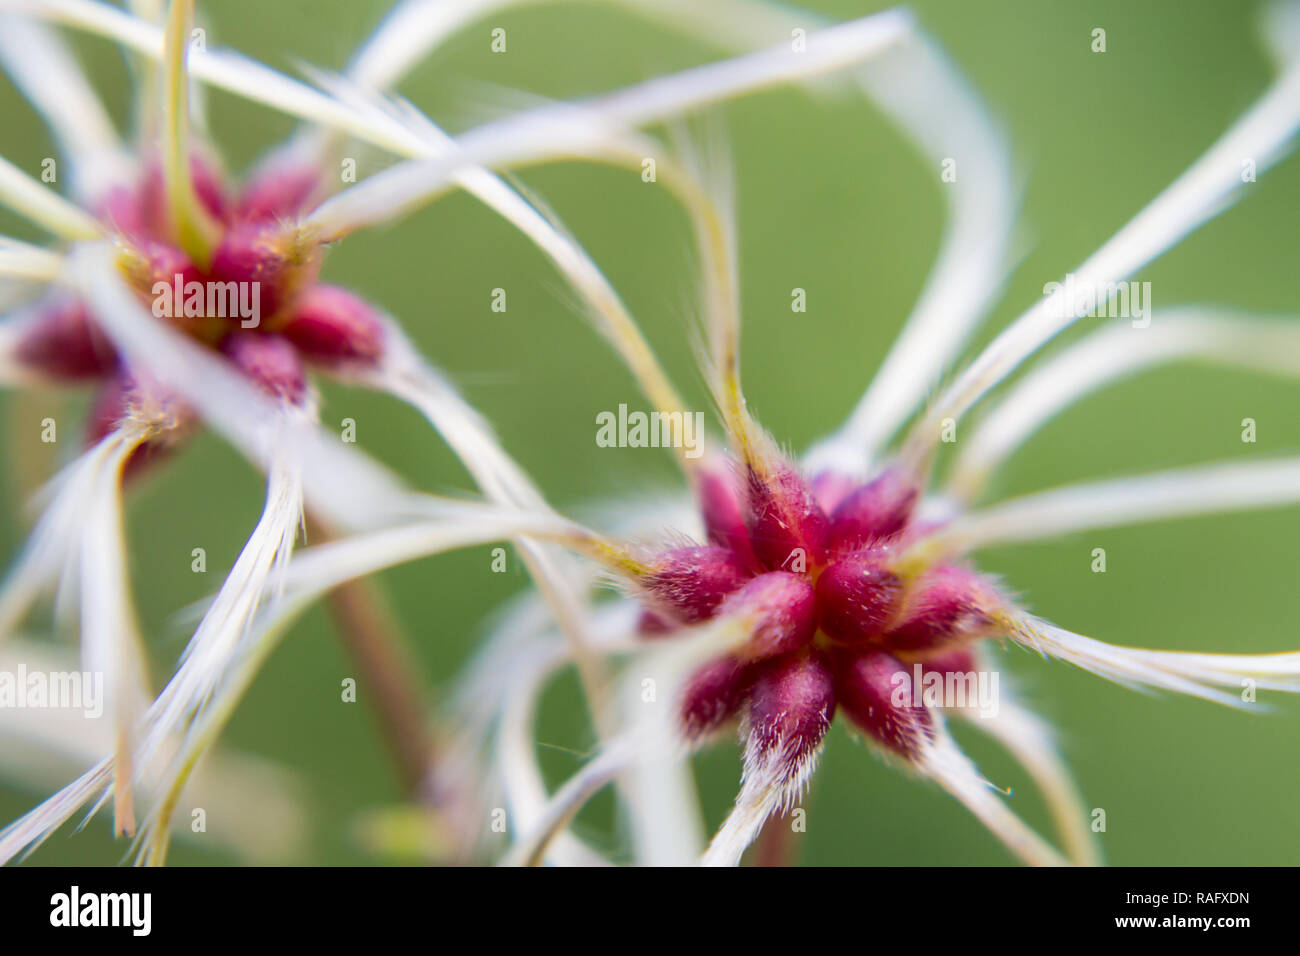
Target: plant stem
385,668
774,846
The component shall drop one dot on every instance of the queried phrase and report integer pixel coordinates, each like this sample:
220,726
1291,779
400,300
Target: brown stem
774,846
385,666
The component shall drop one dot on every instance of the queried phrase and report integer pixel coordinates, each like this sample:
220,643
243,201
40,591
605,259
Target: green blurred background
832,200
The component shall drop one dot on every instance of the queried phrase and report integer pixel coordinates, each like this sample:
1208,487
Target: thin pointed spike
410,31
541,818
47,73
1178,493
196,232
228,70
44,207
1029,740
110,639
1220,678
712,212
1116,352
1204,190
560,130
22,260
944,763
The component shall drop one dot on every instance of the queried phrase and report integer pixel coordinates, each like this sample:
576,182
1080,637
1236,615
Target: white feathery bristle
925,96
942,761
1115,352
1264,134
1221,678
255,576
110,638
1031,741
772,783
44,207
24,261
575,129
1211,489
410,30
45,70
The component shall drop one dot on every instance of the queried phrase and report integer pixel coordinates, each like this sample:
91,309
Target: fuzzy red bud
791,706
270,361
62,342
155,211
690,583
721,500
952,604
858,596
785,608
266,254
279,190
878,510
785,522
713,695
331,327
875,690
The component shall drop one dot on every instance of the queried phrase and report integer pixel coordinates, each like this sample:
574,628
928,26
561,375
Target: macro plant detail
785,592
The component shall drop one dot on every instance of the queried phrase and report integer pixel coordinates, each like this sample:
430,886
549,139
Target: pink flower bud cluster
835,623
302,322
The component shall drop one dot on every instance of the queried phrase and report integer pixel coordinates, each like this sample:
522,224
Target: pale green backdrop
833,201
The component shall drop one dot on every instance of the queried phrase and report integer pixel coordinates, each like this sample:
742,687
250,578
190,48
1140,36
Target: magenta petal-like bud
878,510
951,604
713,695
331,327
690,583
832,487
208,187
157,261
120,209
875,689
786,525
270,361
950,662
263,254
785,606
650,624
163,274
64,343
279,190
721,498
791,706
858,597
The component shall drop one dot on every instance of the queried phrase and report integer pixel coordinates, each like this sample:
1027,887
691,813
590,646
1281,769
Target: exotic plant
841,583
